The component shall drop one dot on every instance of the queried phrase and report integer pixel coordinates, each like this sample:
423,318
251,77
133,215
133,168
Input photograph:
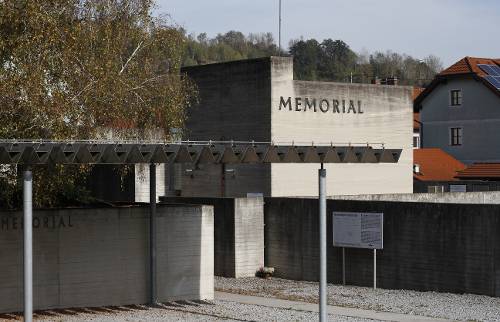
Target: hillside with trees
328,60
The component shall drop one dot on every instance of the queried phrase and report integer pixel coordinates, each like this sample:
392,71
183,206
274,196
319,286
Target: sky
449,29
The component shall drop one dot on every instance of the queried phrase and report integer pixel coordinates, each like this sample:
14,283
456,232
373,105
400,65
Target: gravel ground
461,307
188,311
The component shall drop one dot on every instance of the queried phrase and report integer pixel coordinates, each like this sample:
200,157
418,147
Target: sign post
359,230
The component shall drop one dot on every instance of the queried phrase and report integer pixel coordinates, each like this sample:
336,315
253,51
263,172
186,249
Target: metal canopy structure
27,153
126,152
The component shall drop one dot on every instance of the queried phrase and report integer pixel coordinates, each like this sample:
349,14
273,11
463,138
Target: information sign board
358,230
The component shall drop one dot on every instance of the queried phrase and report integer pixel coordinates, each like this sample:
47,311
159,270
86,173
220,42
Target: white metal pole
279,32
152,233
374,269
28,245
322,245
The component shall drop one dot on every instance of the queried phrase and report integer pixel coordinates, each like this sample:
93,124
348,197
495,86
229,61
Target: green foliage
333,60
329,60
232,45
82,69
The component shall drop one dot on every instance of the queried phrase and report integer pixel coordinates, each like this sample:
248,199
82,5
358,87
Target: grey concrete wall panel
141,182
248,236
185,254
489,197
223,230
235,100
115,188
427,247
208,180
479,116
238,235
99,257
241,101
386,117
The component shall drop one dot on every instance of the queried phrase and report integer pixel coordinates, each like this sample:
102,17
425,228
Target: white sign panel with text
358,230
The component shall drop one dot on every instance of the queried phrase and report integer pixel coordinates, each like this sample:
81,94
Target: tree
73,69
306,56
337,60
232,45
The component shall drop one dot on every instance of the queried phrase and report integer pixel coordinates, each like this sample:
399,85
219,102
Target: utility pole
279,30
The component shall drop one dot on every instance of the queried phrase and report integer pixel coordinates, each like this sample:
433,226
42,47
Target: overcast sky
449,29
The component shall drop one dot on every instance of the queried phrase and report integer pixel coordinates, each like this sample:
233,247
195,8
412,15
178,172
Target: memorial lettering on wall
321,105
47,221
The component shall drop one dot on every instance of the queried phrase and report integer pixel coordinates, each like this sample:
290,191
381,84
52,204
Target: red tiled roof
468,65
417,91
436,165
480,171
416,121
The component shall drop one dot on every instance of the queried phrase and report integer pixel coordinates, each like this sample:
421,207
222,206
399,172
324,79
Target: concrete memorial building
259,100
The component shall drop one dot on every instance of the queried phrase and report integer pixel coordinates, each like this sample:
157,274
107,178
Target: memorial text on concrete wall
321,105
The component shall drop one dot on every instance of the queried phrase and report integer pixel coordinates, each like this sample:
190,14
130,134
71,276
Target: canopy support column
152,233
28,244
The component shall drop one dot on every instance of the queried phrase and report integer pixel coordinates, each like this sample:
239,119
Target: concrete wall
235,100
210,180
241,101
427,247
116,187
239,233
479,116
98,257
248,236
141,176
490,197
385,115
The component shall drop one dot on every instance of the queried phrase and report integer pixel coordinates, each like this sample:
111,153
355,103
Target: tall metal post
28,245
322,245
279,32
152,232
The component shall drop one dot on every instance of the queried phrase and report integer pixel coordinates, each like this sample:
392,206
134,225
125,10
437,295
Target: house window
416,141
435,189
456,136
456,97
458,188
480,187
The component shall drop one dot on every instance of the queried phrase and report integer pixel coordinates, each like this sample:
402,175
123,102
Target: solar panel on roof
492,70
497,69
493,80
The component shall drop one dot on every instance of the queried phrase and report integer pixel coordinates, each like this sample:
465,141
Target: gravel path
464,307
189,311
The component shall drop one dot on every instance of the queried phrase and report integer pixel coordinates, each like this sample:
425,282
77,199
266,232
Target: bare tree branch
130,58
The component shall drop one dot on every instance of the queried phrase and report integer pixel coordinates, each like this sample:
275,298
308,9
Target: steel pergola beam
36,153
